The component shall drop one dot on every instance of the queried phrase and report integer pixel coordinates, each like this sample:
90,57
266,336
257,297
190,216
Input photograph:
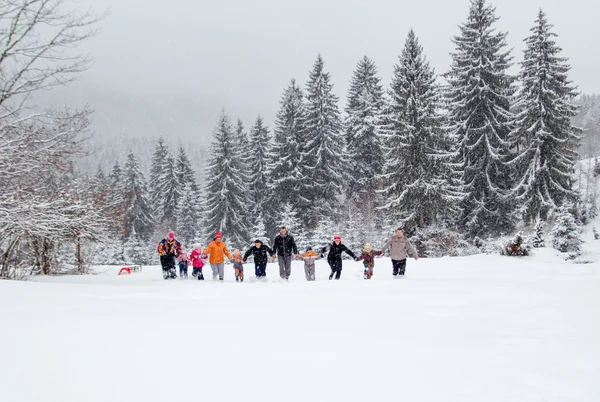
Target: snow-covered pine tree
243,158
187,216
323,151
284,156
566,232
259,230
537,240
479,100
363,125
158,160
116,213
259,153
136,250
544,136
138,212
184,171
170,193
417,168
226,208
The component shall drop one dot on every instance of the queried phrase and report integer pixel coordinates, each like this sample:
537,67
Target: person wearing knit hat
334,257
217,250
368,258
399,247
168,250
198,260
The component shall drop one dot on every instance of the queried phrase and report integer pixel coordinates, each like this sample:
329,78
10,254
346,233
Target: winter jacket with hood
368,257
196,259
399,246
261,254
309,259
216,250
285,245
335,252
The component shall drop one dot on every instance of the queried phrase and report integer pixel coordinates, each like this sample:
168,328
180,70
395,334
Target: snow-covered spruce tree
116,214
156,170
566,236
136,250
323,148
138,213
479,99
259,153
363,125
188,216
537,240
184,171
417,169
284,156
226,208
169,192
544,136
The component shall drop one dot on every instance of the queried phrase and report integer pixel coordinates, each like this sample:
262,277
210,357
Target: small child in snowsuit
368,259
309,258
198,261
238,265
182,260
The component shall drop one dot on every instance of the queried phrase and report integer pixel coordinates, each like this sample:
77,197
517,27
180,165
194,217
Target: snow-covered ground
479,328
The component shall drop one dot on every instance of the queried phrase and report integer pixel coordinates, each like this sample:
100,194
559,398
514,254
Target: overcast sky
240,54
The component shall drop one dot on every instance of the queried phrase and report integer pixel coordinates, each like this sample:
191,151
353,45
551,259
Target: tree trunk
46,258
421,218
80,263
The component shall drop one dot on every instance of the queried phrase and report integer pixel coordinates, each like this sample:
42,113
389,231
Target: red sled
130,268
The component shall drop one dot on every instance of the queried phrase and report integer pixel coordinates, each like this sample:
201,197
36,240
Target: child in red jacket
198,260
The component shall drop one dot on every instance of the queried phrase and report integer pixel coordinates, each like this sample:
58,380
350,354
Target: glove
355,258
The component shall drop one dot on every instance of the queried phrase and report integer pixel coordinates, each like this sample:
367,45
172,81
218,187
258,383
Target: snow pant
368,273
260,270
197,273
218,270
336,269
239,272
285,266
399,267
183,268
167,261
309,272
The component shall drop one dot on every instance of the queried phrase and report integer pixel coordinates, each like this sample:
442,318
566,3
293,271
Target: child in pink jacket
198,260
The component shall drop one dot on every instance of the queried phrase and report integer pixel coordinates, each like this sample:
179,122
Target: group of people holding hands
284,250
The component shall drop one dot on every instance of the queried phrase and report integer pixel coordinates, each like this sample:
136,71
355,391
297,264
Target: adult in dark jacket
284,246
261,253
334,258
168,249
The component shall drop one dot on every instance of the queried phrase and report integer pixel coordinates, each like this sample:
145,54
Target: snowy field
480,328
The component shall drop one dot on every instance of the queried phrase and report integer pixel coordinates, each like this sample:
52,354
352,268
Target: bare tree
37,42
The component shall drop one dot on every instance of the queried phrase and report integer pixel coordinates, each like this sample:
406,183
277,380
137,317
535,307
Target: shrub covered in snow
440,242
566,232
515,247
596,234
537,240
